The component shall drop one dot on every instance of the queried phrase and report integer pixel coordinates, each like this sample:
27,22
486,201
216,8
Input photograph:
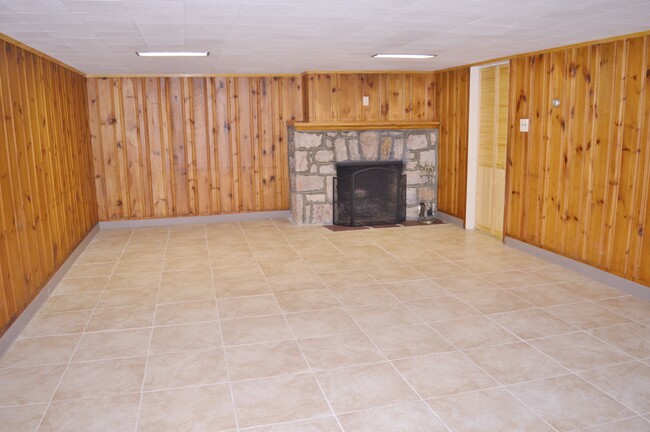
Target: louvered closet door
493,132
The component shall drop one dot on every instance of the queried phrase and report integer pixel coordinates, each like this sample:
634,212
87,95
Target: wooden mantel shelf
367,125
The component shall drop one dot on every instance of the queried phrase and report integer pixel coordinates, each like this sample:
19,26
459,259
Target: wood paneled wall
578,183
331,97
409,96
167,147
47,198
452,111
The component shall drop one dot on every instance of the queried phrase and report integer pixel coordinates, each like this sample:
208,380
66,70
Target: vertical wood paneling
224,170
234,141
246,144
350,91
290,105
190,156
631,158
391,96
520,106
372,89
452,111
586,162
266,144
47,202
580,104
132,147
178,138
640,245
155,150
191,146
202,144
555,155
396,97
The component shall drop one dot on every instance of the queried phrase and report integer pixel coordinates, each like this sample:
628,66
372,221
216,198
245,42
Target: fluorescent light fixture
173,53
404,56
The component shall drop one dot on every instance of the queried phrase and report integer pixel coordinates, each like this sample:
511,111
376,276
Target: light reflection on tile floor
266,326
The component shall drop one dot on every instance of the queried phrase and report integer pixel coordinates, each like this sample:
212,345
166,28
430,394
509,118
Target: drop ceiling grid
291,36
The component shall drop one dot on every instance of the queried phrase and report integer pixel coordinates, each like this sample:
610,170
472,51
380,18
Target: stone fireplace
313,156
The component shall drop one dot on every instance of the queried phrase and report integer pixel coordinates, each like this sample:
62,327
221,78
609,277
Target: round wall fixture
555,103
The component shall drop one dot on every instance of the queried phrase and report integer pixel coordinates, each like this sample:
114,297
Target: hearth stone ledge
312,165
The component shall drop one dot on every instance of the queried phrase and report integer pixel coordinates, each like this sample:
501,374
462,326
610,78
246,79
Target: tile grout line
298,344
223,342
392,365
67,366
500,385
295,340
570,372
586,381
388,361
153,322
373,242
613,422
451,344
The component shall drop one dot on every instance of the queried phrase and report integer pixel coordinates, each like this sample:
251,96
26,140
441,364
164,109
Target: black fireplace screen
369,193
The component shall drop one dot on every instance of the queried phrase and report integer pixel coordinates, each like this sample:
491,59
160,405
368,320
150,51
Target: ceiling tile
291,36
95,6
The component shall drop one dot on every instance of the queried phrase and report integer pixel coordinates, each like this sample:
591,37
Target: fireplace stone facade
312,165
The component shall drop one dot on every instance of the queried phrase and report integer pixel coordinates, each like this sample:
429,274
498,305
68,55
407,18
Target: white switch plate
523,125
366,101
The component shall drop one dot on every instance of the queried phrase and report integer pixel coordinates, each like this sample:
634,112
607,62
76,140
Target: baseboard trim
625,285
450,219
156,222
32,309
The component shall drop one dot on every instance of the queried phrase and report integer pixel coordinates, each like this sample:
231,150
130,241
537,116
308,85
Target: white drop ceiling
293,36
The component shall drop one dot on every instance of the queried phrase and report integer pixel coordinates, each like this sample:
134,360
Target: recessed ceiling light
404,56
172,53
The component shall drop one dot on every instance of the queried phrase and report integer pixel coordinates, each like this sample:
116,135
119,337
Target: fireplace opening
369,193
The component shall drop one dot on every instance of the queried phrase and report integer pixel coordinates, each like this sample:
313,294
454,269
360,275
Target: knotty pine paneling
451,109
331,97
578,182
47,197
407,96
165,147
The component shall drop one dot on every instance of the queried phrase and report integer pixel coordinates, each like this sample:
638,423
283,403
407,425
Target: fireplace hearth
369,193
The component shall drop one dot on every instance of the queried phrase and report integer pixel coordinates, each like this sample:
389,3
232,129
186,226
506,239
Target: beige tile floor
266,326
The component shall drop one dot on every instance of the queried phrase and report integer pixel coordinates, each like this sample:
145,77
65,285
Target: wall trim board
225,75
450,219
369,71
620,283
472,146
14,331
363,125
155,222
